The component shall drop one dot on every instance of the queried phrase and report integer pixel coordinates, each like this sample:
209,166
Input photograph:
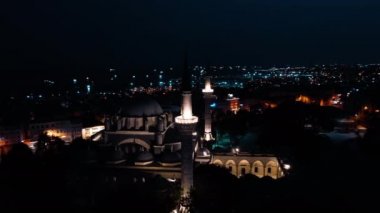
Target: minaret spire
186,76
187,109
208,97
186,124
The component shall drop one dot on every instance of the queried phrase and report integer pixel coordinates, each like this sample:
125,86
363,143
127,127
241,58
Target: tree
214,189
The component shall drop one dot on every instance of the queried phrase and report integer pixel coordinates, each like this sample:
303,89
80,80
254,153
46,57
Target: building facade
260,165
63,129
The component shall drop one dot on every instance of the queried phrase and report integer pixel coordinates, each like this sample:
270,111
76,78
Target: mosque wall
259,166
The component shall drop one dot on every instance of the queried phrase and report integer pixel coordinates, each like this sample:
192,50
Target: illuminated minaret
186,124
208,97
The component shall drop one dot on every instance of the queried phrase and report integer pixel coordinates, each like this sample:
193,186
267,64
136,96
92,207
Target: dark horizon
75,37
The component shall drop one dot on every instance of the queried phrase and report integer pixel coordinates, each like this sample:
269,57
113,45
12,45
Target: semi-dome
144,157
142,106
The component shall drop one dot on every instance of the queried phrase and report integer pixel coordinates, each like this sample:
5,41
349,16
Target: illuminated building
65,130
208,97
336,101
304,99
141,125
152,142
260,165
149,141
233,103
322,103
240,161
92,132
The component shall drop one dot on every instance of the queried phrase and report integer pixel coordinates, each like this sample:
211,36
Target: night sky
85,36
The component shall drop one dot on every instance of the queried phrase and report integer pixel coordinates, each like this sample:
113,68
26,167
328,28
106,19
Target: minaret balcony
190,120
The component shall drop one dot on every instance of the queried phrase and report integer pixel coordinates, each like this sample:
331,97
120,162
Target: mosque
147,139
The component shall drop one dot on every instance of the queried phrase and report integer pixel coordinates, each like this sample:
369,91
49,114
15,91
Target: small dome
141,106
203,156
203,152
144,157
116,156
170,157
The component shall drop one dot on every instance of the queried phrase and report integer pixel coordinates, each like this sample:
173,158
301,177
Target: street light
287,166
236,150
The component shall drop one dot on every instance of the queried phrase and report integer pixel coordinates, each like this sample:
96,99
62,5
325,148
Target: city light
88,88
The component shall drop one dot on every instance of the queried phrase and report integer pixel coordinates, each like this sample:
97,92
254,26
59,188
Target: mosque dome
144,157
203,155
141,106
170,158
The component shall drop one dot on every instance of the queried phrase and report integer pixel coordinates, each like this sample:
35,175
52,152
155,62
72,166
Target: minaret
208,97
186,124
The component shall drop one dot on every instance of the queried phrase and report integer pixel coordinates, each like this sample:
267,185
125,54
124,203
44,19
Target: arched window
271,169
258,169
218,162
244,167
231,165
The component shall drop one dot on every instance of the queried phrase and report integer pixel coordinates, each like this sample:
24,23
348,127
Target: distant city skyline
114,81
